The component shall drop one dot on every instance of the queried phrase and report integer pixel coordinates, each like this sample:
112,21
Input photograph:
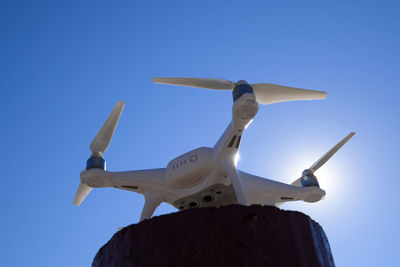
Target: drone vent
232,141
238,141
130,186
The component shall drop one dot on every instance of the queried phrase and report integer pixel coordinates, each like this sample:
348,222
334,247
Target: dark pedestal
233,235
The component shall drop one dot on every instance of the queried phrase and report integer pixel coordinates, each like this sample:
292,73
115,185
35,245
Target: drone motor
96,162
308,179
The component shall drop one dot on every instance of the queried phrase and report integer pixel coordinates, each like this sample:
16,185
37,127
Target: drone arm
297,182
223,140
151,202
265,191
233,174
261,187
137,178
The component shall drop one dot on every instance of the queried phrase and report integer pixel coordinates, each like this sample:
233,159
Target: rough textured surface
233,235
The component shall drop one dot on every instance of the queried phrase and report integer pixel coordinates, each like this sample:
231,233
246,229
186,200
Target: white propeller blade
104,136
83,191
325,157
267,93
219,84
330,153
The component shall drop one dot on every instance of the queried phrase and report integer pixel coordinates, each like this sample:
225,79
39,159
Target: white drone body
207,176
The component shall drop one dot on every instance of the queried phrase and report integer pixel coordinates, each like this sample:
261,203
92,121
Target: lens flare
236,158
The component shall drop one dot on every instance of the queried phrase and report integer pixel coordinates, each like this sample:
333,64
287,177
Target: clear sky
64,65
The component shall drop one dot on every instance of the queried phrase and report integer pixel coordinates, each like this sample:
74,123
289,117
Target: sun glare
328,175
333,177
236,158
326,178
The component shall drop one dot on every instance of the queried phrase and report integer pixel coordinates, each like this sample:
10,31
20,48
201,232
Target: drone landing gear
151,202
236,182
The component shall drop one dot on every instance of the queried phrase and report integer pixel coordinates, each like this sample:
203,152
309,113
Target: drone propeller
330,153
309,173
103,138
98,146
83,191
218,84
266,93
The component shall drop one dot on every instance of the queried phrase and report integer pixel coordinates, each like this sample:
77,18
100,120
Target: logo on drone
193,158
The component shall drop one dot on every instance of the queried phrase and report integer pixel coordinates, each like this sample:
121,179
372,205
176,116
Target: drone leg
236,182
151,202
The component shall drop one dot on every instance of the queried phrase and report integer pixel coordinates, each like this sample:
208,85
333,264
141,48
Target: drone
208,176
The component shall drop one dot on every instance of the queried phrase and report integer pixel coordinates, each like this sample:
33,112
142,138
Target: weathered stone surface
232,235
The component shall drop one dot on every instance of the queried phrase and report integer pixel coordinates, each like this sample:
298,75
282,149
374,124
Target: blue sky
63,66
